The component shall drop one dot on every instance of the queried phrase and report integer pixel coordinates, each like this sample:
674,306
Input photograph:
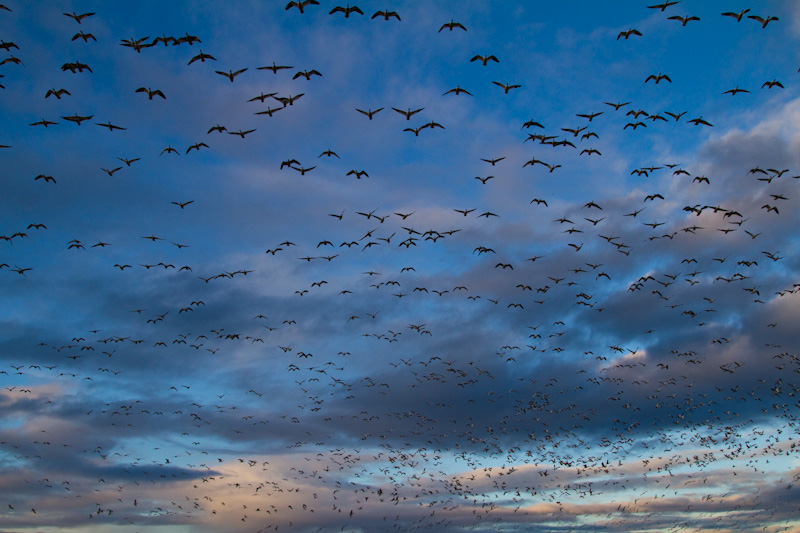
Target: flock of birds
525,405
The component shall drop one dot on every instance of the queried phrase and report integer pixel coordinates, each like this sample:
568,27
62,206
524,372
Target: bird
664,6
628,33
84,36
493,161
136,44
699,120
78,119
196,146
43,122
231,74
241,133
151,92
386,15
408,113
78,18
306,74
684,20
347,10
735,90
738,16
452,25
58,93
301,5
484,59
111,127
762,20
75,67
275,68
202,57
771,84
506,87
658,78
369,112
458,90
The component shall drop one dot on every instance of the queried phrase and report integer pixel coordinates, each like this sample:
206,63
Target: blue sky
567,308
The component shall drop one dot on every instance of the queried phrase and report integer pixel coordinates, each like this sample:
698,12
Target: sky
468,266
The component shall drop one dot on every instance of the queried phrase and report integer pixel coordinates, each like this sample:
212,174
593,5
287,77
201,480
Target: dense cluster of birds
524,406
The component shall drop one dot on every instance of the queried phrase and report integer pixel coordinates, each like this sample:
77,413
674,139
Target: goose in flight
301,5
347,10
484,59
452,25
409,113
386,15
151,92
78,18
230,74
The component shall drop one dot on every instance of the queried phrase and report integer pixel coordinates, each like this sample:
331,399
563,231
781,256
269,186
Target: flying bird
738,16
78,18
484,59
506,87
452,25
628,33
230,74
684,20
151,92
347,10
386,15
301,5
762,20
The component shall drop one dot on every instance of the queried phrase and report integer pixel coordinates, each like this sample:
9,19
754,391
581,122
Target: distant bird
506,87
369,112
628,33
111,127
347,10
301,5
275,68
684,20
58,93
735,90
77,119
84,36
699,120
306,74
458,90
202,58
230,74
409,113
241,133
664,6
762,20
136,44
288,100
386,15
771,84
196,146
493,161
46,179
657,78
75,67
452,25
738,16
43,122
78,18
151,92
484,59
261,97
